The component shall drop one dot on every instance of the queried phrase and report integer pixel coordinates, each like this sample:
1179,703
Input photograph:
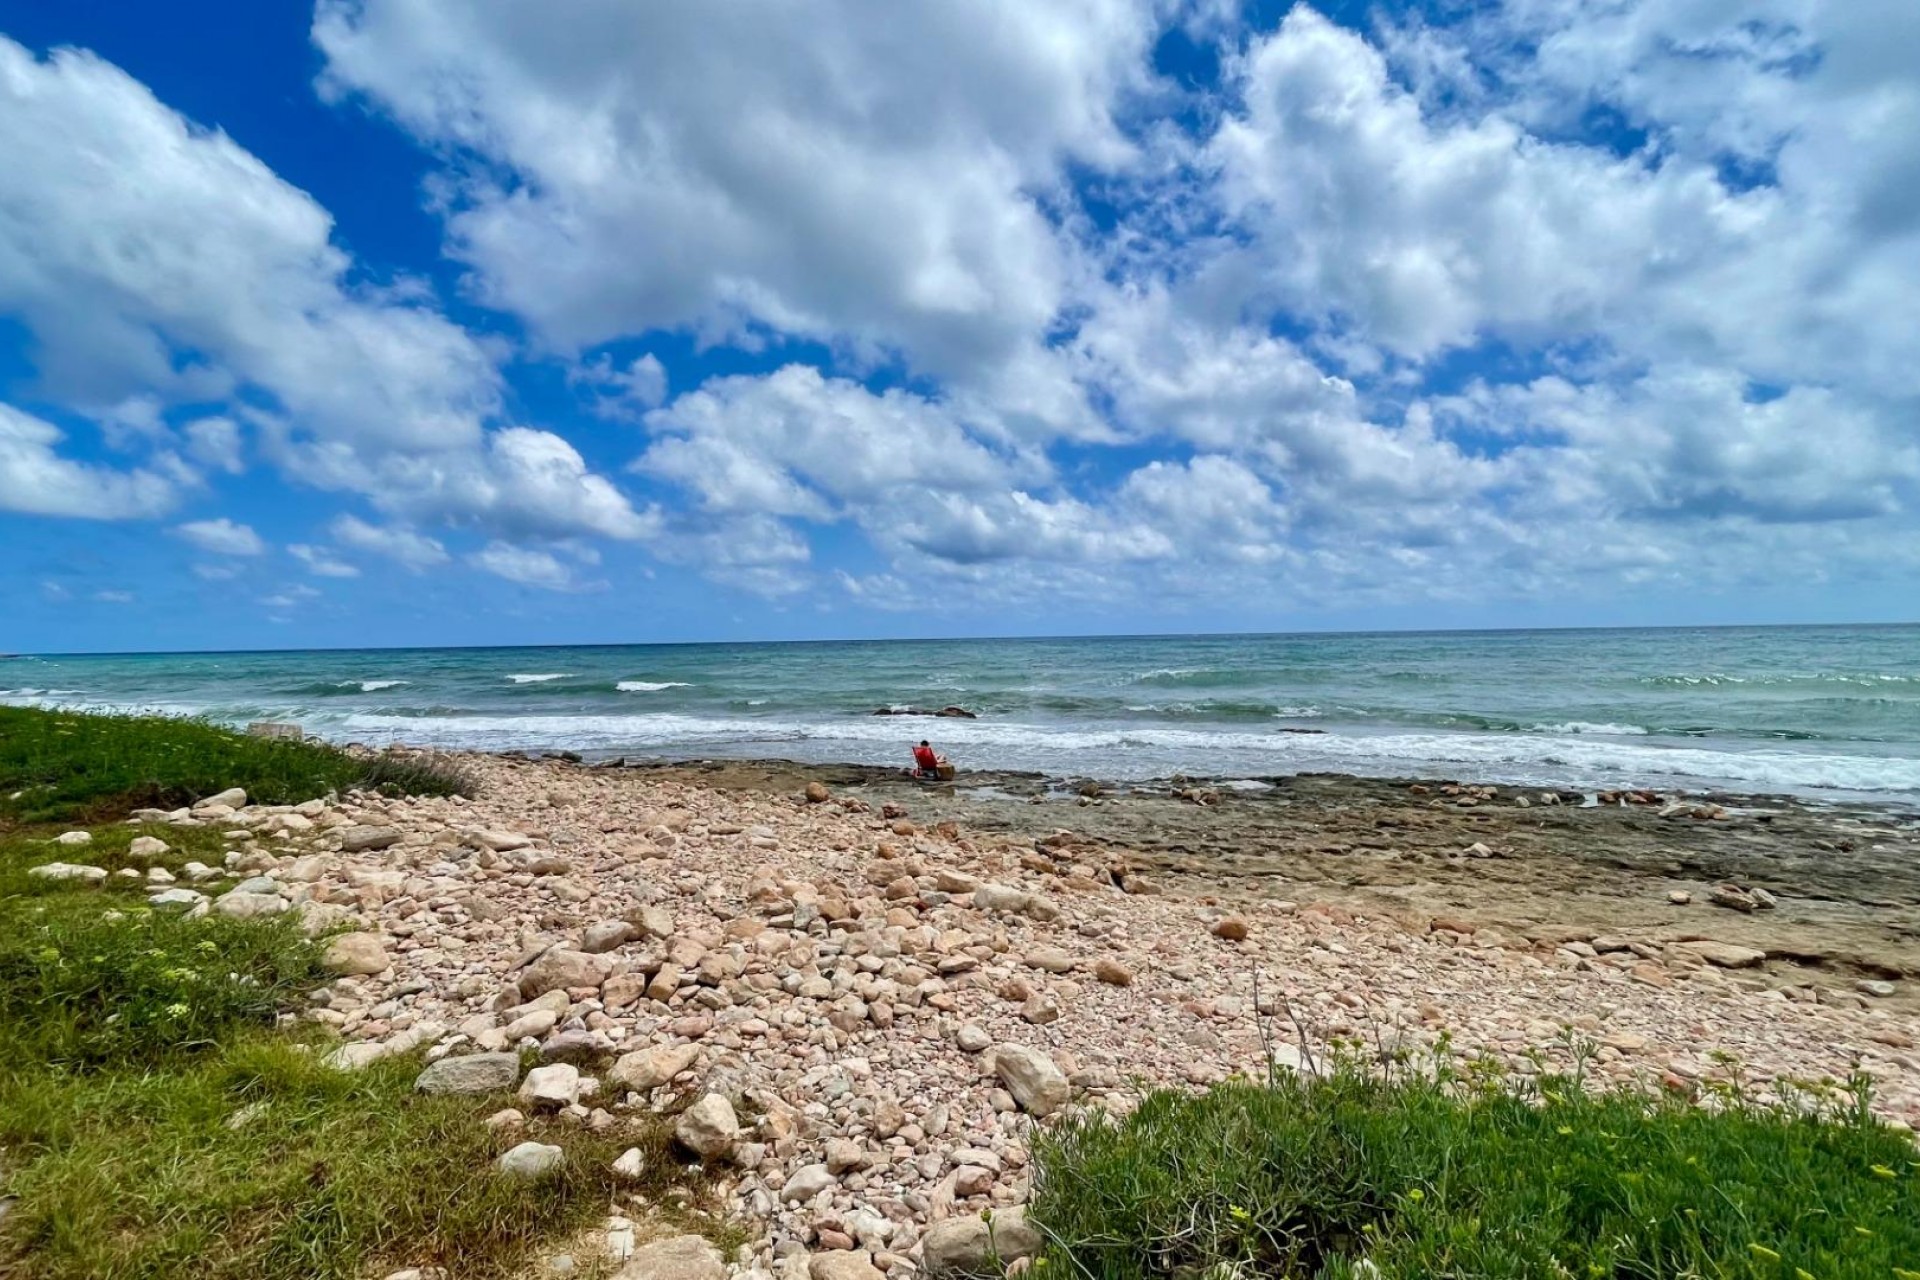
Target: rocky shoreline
858,992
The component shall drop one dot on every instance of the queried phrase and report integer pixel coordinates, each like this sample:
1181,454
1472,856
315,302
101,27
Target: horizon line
977,639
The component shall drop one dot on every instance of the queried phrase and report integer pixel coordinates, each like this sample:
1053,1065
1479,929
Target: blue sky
440,322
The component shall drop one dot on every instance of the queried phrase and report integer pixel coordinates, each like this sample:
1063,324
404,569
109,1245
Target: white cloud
158,264
215,442
289,598
414,550
36,480
114,597
623,393
223,572
222,537
321,562
527,566
861,172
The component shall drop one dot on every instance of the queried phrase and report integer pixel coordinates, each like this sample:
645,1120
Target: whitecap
1586,726
540,679
375,686
649,686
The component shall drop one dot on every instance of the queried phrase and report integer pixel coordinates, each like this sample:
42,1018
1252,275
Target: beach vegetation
164,1115
70,766
1433,1174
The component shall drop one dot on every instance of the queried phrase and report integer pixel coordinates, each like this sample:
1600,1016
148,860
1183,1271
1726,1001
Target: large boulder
654,1066
677,1258
232,798
971,1246
355,954
562,969
1035,1082
471,1073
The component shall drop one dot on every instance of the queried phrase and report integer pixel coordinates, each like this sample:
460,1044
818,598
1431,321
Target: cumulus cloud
528,566
222,537
859,172
36,480
321,562
405,546
159,264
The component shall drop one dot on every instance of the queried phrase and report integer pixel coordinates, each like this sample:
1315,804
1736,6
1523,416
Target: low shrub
85,984
1415,1177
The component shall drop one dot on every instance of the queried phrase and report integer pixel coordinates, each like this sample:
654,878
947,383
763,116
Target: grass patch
1412,1177
252,1161
64,766
157,1122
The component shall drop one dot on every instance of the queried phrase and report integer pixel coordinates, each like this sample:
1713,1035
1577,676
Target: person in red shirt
924,759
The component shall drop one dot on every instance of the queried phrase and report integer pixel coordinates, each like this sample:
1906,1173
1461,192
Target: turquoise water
1812,710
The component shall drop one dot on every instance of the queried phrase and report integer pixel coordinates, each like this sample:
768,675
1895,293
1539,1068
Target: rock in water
471,1073
1031,1077
970,1246
678,1258
356,954
531,1160
817,793
708,1128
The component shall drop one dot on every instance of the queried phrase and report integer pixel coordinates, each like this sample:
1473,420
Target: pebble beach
860,1003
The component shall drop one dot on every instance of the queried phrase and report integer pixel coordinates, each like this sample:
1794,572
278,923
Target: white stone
531,1160
63,872
1035,1082
709,1127
552,1087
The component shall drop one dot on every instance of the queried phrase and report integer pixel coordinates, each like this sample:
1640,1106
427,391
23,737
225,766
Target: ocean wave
1858,679
541,678
1583,726
650,686
1142,752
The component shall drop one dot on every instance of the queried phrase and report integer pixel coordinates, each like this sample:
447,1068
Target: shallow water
1808,710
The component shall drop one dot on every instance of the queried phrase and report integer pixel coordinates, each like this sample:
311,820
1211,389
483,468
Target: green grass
156,1120
332,1176
61,766
1432,1177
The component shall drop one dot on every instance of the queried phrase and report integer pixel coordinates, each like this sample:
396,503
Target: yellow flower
1416,1195
1238,1214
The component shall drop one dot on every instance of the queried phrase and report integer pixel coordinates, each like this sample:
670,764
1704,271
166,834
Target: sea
1827,711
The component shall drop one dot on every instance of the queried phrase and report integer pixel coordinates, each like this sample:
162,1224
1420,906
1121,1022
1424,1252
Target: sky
397,322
